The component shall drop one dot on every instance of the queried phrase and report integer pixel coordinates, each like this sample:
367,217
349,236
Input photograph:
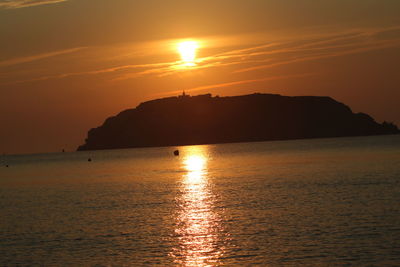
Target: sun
187,50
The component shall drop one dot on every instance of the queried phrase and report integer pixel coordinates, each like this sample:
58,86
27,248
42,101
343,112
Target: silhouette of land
203,119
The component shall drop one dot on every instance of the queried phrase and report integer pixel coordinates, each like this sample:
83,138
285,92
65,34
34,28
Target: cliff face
204,119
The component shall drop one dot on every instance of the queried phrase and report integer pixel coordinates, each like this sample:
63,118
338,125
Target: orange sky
65,66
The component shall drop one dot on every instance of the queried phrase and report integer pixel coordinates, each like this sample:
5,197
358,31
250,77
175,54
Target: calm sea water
304,202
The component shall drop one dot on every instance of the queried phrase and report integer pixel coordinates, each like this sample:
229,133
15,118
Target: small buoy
176,152
89,159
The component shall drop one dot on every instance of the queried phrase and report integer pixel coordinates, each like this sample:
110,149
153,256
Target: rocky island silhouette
204,119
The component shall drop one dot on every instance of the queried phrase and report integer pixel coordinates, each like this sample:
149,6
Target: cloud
152,67
291,51
247,58
12,4
328,54
20,60
219,85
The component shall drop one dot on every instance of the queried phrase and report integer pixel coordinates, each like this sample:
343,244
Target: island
204,119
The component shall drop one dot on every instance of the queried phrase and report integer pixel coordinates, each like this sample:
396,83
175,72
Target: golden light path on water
198,225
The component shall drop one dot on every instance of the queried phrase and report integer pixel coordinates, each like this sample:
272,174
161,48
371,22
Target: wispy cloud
20,60
11,4
352,49
248,58
296,50
151,67
220,85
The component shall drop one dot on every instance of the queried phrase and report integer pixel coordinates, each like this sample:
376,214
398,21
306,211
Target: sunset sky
67,65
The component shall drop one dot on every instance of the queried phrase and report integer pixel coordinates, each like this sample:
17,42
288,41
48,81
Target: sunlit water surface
304,202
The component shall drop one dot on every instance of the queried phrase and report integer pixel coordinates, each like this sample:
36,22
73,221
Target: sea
316,202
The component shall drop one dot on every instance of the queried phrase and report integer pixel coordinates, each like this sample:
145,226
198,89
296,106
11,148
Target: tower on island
184,94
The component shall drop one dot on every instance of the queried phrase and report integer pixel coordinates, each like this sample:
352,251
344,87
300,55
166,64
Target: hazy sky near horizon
67,65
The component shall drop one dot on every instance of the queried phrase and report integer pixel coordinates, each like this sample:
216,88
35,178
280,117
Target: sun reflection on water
198,225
